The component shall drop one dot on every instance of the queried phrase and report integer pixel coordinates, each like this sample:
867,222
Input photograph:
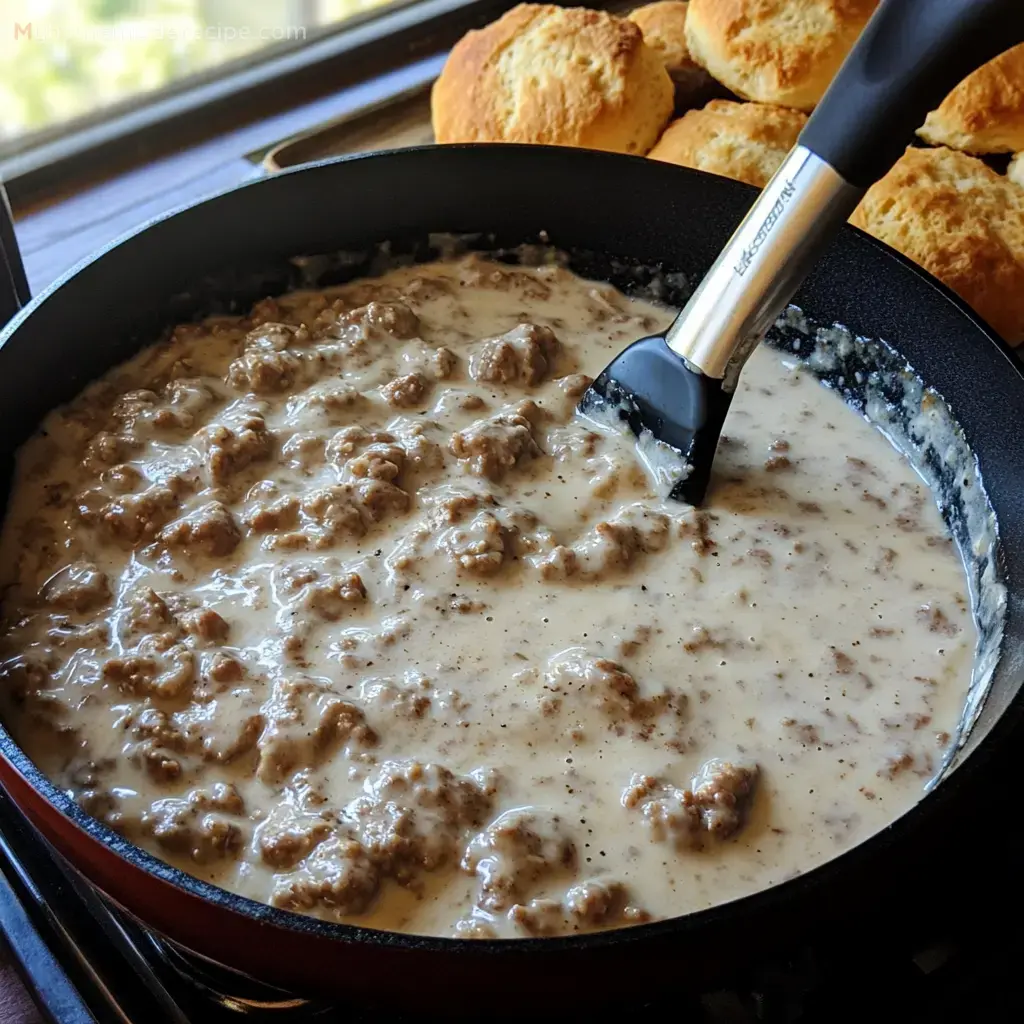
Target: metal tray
395,122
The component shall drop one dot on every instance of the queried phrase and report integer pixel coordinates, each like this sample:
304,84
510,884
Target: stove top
85,961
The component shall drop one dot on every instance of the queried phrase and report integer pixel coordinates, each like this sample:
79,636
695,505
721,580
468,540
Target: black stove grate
222,989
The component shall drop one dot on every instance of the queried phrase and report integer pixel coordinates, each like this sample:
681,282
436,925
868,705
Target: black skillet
629,221
232,249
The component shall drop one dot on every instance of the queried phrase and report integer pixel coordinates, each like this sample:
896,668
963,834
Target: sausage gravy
338,606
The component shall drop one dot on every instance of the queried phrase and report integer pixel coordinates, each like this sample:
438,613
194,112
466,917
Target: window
67,62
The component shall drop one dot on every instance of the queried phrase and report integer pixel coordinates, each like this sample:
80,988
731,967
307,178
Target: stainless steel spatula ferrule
763,264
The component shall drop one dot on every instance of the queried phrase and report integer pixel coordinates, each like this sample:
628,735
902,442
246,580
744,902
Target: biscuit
663,25
1015,172
962,222
664,29
746,141
985,112
775,51
554,75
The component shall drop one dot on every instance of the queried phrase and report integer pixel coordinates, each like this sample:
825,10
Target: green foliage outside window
63,59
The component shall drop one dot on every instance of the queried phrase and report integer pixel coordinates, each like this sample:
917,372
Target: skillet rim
723,914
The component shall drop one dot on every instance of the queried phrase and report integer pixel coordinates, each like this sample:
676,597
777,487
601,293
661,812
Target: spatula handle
910,55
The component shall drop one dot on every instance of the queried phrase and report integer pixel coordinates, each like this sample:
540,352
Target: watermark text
143,31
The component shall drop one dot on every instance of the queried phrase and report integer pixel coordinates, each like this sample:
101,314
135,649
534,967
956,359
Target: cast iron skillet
234,248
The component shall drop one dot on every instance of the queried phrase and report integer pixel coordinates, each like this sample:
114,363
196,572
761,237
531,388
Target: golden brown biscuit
664,29
775,51
663,25
746,141
962,222
985,112
562,76
1015,172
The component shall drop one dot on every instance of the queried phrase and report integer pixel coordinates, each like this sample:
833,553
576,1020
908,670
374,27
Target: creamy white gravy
337,606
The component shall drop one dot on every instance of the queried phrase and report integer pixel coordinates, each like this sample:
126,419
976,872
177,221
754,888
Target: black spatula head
662,398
